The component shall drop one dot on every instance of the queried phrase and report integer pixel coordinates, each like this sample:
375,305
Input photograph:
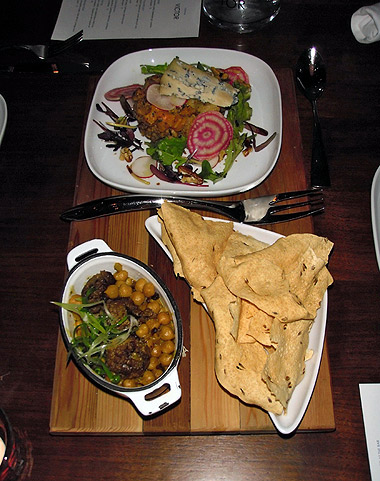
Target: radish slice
163,102
141,166
116,93
209,134
237,73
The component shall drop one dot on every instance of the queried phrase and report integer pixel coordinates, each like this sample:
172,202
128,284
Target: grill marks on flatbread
262,299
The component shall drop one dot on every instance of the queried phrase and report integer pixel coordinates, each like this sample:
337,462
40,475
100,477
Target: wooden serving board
78,407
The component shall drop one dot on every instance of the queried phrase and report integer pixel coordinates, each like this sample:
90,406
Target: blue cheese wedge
188,82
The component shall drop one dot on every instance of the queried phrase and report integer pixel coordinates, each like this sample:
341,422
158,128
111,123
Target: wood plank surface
78,407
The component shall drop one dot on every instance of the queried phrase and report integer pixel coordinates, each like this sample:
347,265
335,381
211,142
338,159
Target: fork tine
66,44
296,194
279,208
273,219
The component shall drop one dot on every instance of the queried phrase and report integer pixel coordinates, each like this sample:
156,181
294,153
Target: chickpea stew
123,329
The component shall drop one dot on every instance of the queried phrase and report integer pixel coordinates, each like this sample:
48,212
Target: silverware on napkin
258,211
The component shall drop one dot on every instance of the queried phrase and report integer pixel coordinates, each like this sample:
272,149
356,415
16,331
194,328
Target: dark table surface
38,164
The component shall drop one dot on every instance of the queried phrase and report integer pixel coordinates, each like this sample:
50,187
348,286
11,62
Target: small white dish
375,213
246,172
285,423
3,117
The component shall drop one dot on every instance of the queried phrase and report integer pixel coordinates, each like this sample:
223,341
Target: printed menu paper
113,19
370,399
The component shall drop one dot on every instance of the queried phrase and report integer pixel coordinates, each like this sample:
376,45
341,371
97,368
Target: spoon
311,80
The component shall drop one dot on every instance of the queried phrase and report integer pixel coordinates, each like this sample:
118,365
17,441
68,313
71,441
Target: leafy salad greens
170,150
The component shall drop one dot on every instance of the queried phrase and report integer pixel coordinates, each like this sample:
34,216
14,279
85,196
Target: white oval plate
3,117
375,213
246,173
285,423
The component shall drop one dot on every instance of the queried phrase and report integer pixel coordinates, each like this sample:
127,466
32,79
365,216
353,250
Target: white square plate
246,173
3,117
375,213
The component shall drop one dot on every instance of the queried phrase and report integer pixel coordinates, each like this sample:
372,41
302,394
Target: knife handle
127,203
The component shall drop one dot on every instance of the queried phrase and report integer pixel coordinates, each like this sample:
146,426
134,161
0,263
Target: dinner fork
255,211
48,50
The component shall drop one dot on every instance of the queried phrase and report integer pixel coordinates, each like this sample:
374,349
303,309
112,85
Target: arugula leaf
167,150
232,151
241,111
153,69
208,174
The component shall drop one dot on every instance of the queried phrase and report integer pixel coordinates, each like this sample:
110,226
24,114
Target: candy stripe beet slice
209,134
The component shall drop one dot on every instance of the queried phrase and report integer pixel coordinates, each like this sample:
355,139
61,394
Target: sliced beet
210,133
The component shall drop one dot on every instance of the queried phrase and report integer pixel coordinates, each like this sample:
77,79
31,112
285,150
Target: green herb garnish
153,69
95,334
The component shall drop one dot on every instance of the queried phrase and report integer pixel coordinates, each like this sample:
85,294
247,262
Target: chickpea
166,333
143,306
168,347
121,275
142,331
153,324
165,359
125,290
129,281
154,306
147,378
139,286
157,373
138,298
128,383
117,266
77,318
149,289
156,351
78,330
75,299
156,338
112,291
153,363
164,317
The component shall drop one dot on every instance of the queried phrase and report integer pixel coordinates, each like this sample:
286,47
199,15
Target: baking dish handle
80,252
159,403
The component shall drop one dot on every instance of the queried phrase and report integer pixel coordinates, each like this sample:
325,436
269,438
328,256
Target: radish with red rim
236,74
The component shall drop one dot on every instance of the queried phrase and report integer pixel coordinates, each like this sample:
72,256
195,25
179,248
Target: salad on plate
195,120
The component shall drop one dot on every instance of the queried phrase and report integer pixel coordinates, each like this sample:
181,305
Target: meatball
130,359
121,307
94,288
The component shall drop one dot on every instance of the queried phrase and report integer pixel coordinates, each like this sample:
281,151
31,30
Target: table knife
259,210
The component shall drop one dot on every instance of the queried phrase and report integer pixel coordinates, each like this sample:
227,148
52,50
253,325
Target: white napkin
365,24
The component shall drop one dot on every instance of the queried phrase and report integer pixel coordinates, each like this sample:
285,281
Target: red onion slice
116,93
